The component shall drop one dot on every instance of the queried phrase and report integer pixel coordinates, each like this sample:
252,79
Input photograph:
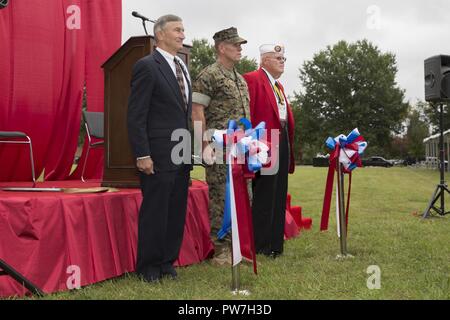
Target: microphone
138,15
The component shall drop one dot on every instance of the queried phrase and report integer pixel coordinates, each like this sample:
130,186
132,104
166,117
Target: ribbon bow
244,144
247,145
348,149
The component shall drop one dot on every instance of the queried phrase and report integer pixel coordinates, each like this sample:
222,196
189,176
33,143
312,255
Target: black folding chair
94,129
17,137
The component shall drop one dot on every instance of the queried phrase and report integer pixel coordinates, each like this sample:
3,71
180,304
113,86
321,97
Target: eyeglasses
280,59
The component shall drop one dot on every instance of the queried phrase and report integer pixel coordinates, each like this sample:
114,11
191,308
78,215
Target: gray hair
264,55
160,24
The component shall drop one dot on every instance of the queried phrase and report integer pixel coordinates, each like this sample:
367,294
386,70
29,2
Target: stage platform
47,236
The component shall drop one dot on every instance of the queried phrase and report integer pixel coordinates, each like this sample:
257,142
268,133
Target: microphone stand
145,28
137,15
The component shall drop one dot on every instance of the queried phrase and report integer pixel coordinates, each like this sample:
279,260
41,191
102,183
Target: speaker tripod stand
442,187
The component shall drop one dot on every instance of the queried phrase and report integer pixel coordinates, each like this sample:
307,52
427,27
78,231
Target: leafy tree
398,148
296,110
417,131
246,65
203,54
349,86
432,112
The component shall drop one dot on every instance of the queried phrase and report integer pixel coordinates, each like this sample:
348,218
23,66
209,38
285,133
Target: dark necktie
277,89
180,80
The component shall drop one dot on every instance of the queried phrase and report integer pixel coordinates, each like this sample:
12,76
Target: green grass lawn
385,229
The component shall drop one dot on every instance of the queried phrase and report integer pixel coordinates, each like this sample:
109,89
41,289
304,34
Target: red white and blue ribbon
348,149
239,144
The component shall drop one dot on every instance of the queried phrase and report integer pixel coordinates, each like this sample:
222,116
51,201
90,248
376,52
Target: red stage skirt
47,235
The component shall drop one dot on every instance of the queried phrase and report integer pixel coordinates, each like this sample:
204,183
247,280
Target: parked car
397,162
410,161
321,160
377,162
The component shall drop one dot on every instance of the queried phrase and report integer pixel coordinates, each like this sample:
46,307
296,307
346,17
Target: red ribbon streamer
329,190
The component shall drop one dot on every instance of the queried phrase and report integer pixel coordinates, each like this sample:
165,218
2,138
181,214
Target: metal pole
145,27
235,273
441,154
441,144
32,162
342,218
236,278
448,152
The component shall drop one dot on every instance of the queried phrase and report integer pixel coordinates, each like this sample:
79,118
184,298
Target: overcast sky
411,29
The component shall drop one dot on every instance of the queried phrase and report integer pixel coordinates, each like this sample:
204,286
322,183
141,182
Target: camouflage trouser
216,179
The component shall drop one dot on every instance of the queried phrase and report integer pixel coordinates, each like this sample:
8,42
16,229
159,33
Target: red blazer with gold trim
263,107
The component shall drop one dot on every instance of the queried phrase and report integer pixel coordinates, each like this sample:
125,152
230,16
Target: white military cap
275,48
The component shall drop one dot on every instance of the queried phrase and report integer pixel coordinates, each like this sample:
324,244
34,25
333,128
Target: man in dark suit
268,103
160,103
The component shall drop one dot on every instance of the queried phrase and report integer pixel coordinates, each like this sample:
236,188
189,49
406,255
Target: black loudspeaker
3,3
437,79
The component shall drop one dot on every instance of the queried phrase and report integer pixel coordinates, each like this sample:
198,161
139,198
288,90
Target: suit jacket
155,110
264,107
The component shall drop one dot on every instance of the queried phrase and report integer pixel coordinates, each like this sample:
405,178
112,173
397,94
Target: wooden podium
120,165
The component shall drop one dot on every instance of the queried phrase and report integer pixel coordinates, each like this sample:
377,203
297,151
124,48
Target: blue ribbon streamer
253,164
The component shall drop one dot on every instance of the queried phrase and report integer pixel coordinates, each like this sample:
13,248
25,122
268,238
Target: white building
432,150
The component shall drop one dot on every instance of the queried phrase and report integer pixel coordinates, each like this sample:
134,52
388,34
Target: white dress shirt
171,63
282,108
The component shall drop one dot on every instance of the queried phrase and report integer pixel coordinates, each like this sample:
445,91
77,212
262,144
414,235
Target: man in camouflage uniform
220,94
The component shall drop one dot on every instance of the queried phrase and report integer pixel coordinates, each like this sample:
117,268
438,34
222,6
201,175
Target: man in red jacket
268,103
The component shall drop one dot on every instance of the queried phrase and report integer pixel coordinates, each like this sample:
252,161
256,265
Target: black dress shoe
150,273
167,270
149,278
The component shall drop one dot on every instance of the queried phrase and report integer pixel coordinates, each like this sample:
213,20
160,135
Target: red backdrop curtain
49,49
102,20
